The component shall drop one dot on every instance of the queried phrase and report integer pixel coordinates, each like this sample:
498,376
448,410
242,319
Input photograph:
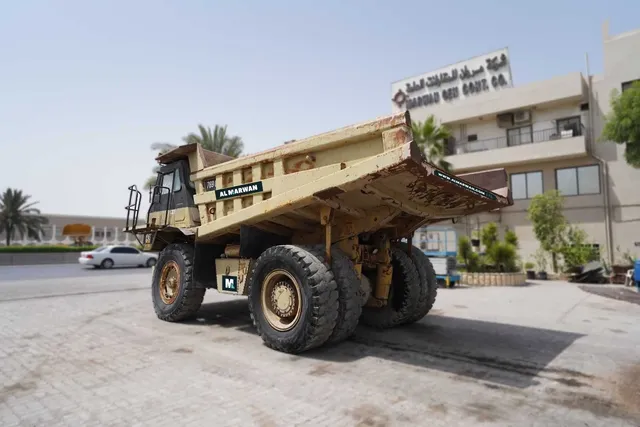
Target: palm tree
18,214
431,138
217,141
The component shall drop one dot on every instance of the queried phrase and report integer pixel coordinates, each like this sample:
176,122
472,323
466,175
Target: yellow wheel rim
281,300
169,282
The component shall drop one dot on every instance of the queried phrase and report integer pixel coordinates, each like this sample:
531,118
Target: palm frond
162,147
431,139
17,213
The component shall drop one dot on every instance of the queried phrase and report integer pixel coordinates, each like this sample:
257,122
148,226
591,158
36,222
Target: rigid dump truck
316,233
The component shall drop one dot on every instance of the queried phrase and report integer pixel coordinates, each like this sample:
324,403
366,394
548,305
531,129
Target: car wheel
151,262
107,263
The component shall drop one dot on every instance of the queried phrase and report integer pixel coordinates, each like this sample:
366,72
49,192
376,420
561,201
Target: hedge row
44,249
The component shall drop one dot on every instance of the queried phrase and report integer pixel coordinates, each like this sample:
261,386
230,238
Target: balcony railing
516,139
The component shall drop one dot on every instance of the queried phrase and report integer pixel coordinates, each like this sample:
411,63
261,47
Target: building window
519,136
526,185
578,181
627,85
472,138
573,124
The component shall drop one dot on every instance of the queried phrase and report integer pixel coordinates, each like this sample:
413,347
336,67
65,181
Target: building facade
544,134
104,231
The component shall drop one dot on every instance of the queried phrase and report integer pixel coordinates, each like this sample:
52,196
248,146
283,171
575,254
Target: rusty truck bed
372,175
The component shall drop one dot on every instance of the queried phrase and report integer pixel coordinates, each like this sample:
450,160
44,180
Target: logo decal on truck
464,185
230,283
239,190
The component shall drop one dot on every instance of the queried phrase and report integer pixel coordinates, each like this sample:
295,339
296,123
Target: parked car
117,256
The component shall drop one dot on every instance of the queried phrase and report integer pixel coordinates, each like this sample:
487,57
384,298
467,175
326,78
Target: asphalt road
85,348
62,271
43,281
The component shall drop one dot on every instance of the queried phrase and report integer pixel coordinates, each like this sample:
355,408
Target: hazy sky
86,87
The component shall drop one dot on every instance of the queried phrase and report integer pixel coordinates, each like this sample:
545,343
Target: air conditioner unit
523,116
505,120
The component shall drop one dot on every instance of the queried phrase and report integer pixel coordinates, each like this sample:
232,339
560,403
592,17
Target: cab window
177,182
167,182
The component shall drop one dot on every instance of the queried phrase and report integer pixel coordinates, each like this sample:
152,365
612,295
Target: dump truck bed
372,176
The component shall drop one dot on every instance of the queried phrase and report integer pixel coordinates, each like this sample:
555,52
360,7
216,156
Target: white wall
621,64
542,118
566,88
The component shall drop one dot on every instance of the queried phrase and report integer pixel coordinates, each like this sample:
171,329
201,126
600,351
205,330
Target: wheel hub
283,299
169,282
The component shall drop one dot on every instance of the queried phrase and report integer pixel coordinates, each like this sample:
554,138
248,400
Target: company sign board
474,77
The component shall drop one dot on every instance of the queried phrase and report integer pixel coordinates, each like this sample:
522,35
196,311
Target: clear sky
86,87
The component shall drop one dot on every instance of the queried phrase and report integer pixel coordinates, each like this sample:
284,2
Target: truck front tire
428,283
293,298
174,294
403,294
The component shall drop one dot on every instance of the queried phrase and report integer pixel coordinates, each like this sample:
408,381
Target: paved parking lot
86,349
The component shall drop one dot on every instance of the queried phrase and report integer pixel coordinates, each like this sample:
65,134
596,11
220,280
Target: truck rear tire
403,294
428,283
349,301
293,298
174,294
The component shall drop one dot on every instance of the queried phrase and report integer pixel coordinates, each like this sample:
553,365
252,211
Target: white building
104,231
544,134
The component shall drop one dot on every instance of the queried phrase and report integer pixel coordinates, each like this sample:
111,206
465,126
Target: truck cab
171,198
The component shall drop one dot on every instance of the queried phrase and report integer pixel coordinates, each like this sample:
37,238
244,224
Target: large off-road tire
293,298
349,300
175,296
403,295
428,283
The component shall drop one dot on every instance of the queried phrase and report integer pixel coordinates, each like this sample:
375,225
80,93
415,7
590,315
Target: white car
118,256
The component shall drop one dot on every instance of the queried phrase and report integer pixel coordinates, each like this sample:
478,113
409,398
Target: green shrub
511,237
499,256
466,255
576,251
489,235
529,265
503,257
44,249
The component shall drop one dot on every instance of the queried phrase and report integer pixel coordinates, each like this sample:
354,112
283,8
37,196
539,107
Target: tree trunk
554,261
8,233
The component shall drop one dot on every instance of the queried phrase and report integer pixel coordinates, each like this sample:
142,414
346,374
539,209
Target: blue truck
440,245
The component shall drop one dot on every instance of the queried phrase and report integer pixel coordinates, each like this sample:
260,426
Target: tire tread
190,300
324,297
388,316
428,283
